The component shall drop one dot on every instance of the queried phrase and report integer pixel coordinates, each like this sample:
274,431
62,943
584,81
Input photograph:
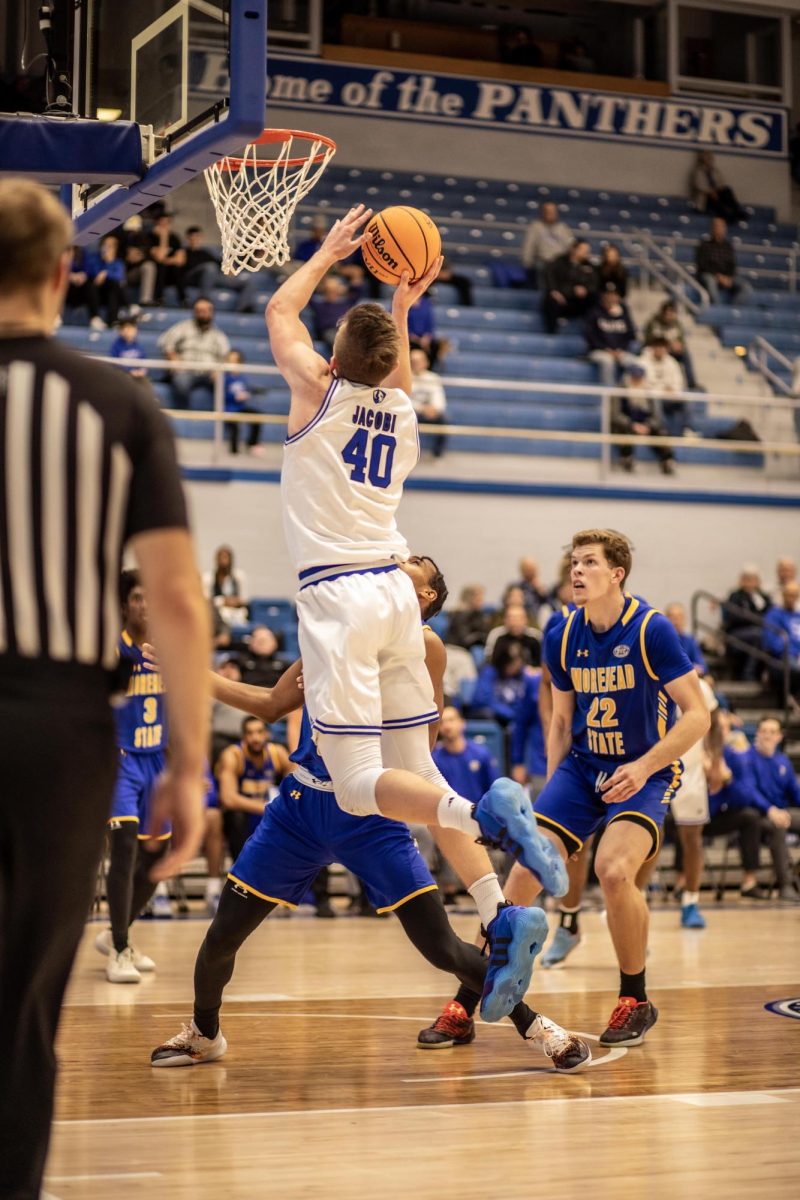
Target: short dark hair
658,341
128,580
769,717
438,585
367,346
249,721
194,229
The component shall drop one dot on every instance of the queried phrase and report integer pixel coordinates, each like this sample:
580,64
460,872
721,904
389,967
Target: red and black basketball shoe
453,1027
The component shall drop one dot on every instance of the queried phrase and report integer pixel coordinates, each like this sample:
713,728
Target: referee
87,465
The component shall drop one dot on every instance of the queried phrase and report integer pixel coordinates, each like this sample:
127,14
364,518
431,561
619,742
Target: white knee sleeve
409,750
355,766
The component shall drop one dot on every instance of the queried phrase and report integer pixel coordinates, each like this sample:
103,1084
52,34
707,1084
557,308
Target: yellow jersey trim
564,637
146,837
642,817
110,819
261,896
543,820
643,647
630,610
126,637
431,887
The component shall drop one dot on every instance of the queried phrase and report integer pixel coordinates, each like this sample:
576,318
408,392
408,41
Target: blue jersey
141,720
619,679
306,755
557,618
775,778
254,779
470,773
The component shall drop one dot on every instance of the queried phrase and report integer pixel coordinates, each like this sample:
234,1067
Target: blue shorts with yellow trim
136,780
304,829
572,805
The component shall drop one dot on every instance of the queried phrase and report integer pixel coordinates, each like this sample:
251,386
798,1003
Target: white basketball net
254,199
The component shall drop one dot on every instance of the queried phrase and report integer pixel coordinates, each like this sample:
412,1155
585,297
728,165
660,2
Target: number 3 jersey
619,679
141,719
343,476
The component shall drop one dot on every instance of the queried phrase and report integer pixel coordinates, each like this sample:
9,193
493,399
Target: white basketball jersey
343,476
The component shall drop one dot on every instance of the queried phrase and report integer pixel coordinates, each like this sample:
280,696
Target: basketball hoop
254,198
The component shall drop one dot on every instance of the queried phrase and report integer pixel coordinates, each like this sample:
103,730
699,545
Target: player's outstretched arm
269,704
405,296
178,618
306,372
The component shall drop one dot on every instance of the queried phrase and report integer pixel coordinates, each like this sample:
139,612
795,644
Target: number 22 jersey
343,475
619,679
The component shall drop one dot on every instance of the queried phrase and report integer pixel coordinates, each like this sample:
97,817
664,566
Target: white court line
90,1178
614,1053
782,1093
333,1016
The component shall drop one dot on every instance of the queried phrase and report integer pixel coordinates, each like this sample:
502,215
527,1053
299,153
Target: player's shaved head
615,546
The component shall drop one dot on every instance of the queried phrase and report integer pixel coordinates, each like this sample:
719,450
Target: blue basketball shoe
561,946
692,918
515,937
506,820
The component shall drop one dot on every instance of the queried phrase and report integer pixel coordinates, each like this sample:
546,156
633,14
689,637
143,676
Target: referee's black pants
57,770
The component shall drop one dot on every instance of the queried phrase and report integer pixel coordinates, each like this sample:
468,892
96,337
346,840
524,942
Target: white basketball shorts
689,805
363,653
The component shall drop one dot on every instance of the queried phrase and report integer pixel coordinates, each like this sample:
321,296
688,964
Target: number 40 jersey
343,476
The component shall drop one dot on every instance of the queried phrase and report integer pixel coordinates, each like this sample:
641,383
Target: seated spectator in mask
662,374
715,261
638,413
502,684
570,285
746,602
547,237
676,615
262,664
736,805
785,572
515,630
665,324
469,624
534,593
196,339
428,398
781,635
329,305
610,337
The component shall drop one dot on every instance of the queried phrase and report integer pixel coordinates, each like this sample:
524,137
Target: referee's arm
178,619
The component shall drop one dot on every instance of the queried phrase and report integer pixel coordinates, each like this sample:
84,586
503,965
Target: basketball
400,239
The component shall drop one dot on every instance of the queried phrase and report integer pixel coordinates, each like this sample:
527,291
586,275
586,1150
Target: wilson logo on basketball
379,246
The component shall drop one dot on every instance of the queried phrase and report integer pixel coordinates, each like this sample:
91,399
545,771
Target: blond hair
367,346
34,232
616,547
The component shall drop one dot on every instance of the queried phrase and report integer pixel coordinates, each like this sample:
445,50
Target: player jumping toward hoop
352,441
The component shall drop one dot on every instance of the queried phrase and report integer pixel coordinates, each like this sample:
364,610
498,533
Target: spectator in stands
107,271
220,632
638,413
527,753
333,302
515,630
575,57
546,238
469,767
781,634
263,665
201,268
519,48
570,284
126,346
785,572
715,260
534,592
470,623
778,785
611,336
167,252
237,400
309,246
140,269
746,602
502,684
736,805
226,587
197,340
80,290
676,614
610,271
709,192
662,373
462,284
665,324
422,330
428,397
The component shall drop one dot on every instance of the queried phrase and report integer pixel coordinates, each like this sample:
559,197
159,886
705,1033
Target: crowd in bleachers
494,683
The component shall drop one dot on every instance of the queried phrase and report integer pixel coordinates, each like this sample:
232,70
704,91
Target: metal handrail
737,643
759,352
670,263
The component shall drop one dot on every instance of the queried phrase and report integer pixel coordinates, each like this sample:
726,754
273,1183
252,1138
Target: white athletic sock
690,898
213,886
454,812
487,894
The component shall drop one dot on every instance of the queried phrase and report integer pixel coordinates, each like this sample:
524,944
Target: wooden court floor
323,1092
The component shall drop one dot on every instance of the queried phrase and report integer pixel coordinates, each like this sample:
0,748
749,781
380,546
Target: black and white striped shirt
87,461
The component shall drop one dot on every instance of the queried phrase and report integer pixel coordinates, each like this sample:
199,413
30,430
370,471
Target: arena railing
760,353
731,641
743,406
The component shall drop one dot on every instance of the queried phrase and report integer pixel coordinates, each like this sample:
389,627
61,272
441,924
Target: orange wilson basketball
400,239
